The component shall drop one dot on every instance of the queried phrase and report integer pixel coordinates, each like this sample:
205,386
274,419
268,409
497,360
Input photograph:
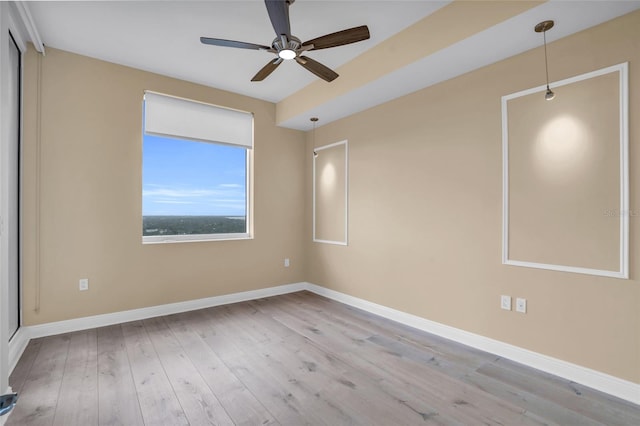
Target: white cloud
173,202
223,199
178,193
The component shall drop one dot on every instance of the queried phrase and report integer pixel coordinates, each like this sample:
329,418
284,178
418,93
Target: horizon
192,215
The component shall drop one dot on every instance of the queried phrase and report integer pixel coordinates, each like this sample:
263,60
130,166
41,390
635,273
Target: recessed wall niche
330,193
565,175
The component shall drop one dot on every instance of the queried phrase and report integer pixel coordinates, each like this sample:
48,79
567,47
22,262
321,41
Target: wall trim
623,104
346,192
85,323
29,24
19,342
17,345
603,382
600,381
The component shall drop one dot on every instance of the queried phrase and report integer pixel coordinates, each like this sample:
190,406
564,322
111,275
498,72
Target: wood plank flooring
297,359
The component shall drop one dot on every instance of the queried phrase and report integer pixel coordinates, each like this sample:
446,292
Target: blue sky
188,178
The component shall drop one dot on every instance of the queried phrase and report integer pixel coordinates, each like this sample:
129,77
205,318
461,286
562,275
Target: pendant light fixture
314,120
543,27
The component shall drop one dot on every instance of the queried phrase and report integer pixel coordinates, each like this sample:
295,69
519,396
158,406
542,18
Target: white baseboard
85,323
20,340
17,345
603,382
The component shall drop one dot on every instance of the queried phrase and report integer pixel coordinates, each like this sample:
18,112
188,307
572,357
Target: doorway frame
12,25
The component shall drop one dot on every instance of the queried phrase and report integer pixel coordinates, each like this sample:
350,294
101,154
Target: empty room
317,212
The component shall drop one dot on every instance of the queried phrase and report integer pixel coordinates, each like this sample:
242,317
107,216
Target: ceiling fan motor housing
282,43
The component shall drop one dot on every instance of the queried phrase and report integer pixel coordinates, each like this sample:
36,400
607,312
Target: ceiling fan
287,47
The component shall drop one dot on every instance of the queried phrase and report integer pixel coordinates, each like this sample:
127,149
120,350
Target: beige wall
425,199
85,218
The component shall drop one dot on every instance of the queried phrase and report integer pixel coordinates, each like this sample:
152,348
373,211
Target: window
195,172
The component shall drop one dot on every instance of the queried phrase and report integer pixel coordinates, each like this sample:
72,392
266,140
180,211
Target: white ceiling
163,37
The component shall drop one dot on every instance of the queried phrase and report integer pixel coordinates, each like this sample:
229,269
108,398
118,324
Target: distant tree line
193,225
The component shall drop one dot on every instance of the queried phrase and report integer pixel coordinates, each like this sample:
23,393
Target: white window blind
182,118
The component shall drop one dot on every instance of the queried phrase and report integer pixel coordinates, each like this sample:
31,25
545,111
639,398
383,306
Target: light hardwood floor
292,360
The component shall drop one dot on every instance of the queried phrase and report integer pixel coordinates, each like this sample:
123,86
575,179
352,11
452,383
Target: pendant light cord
314,120
543,27
546,66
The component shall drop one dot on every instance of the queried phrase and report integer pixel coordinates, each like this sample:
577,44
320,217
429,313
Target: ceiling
163,37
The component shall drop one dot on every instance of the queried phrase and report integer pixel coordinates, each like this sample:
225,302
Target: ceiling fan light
287,54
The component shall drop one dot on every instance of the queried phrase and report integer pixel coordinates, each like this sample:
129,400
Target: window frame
179,238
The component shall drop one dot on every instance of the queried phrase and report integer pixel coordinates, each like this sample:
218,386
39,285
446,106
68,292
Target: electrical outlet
521,305
83,284
286,263
505,302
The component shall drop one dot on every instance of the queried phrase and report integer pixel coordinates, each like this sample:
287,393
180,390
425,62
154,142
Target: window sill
170,239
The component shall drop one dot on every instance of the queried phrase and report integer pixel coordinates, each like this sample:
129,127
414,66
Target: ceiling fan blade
232,43
317,68
267,69
340,38
279,16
